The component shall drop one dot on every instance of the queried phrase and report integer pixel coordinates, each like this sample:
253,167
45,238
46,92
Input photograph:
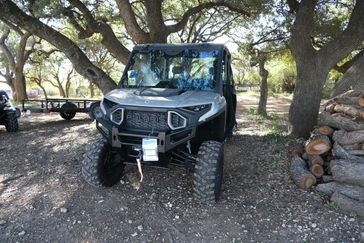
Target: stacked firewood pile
333,157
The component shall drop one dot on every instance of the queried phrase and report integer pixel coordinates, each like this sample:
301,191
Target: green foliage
282,73
332,206
331,18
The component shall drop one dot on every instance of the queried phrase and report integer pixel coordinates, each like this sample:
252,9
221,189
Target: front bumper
117,137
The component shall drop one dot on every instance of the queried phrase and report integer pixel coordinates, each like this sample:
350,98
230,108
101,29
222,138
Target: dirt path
43,197
278,104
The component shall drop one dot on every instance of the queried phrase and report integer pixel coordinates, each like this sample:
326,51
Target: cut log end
330,108
308,182
361,101
315,159
326,130
318,144
298,147
317,170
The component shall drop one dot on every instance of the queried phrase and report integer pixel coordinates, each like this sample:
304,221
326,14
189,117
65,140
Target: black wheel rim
97,112
112,163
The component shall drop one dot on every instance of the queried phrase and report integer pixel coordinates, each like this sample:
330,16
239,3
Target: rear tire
101,165
68,111
11,122
209,171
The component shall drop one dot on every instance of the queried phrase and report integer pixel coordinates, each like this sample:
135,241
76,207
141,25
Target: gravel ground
43,197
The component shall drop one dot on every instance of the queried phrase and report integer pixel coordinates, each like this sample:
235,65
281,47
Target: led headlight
198,108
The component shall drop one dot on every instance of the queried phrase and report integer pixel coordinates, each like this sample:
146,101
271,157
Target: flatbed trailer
66,107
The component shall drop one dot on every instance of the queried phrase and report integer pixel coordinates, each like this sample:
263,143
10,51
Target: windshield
185,70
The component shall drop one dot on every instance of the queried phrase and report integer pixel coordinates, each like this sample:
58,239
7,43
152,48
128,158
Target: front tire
101,165
209,171
11,122
95,111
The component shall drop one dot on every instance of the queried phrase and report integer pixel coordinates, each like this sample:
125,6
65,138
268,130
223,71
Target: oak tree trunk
20,85
44,91
305,106
353,78
262,107
68,88
92,90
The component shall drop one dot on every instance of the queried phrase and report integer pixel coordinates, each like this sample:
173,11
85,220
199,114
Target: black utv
174,104
8,113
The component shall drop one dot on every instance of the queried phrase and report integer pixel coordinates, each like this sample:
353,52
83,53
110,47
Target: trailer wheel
101,165
11,122
68,111
209,171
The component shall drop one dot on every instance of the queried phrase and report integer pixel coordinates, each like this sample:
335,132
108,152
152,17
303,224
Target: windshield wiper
141,90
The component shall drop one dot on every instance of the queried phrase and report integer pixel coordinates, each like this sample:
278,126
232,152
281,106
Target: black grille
146,120
177,121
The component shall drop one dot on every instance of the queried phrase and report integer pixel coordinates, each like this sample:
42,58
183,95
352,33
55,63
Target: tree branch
302,29
109,39
348,40
343,68
157,28
131,24
12,26
192,11
6,50
82,64
20,53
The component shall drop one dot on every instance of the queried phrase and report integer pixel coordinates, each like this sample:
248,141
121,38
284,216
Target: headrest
211,70
177,70
2,94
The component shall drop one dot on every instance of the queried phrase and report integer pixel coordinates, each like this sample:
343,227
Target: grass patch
274,123
250,93
332,206
275,126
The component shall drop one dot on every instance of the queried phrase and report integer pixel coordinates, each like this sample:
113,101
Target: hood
155,97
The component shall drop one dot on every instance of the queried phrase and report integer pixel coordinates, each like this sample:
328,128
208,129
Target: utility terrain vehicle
8,113
175,104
